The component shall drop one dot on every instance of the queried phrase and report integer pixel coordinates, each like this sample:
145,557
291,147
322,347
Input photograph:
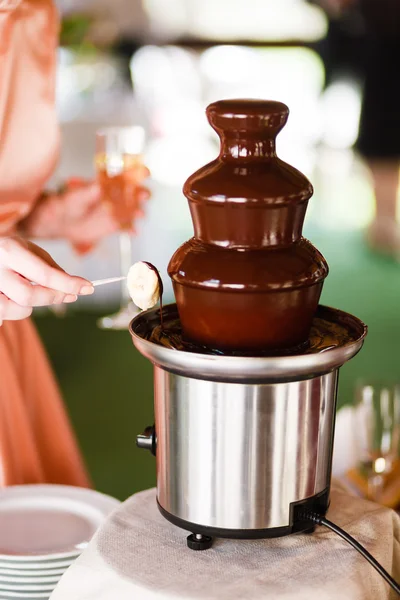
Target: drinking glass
118,155
377,430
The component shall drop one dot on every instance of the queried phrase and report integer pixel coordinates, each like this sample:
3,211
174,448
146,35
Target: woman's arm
77,213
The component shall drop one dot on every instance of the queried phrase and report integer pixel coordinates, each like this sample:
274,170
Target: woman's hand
29,277
78,214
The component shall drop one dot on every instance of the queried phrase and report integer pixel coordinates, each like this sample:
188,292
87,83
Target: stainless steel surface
241,438
147,440
246,369
235,455
144,441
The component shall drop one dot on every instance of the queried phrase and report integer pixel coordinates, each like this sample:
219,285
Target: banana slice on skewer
144,285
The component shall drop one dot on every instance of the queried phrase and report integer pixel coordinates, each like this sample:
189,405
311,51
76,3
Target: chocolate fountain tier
248,280
248,197
254,206
253,300
335,338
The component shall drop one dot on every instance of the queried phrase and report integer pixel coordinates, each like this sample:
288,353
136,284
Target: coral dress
36,441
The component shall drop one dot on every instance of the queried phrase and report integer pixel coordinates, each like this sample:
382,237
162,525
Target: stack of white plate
43,529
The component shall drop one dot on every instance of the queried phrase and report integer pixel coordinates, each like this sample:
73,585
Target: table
138,555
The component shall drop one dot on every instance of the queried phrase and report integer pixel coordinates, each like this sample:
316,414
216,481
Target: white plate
24,567
25,589
32,572
48,522
4,581
29,596
37,562
22,596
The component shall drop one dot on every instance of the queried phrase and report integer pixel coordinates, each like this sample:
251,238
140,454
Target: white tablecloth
138,555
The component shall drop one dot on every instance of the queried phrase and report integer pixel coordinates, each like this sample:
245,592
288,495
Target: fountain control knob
147,439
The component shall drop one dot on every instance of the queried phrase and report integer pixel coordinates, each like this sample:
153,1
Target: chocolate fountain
246,363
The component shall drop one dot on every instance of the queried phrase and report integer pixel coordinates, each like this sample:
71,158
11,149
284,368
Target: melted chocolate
160,287
325,334
248,281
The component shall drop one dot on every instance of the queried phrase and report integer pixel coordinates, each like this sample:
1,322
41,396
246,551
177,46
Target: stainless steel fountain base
236,456
317,504
241,442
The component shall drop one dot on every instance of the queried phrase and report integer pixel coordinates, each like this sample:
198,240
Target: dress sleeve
29,132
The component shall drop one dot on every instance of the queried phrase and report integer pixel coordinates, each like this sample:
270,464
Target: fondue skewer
98,282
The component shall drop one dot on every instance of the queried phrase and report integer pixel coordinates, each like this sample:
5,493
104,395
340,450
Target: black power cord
320,520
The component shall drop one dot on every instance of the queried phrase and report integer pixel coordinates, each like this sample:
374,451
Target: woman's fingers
21,291
11,311
143,193
139,173
16,256
96,225
78,201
